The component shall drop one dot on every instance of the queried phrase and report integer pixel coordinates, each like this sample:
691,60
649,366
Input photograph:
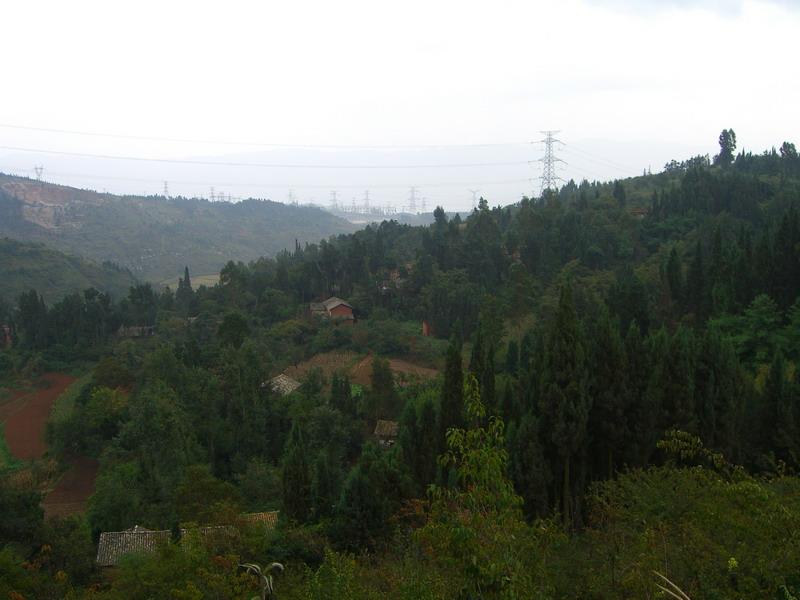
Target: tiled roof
114,545
270,519
283,384
333,302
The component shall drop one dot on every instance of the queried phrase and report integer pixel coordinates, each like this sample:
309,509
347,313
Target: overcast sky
629,83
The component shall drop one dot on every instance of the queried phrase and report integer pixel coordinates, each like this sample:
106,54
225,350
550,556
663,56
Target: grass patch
7,460
65,403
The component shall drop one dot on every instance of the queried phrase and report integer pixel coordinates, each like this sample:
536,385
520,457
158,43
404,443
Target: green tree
727,147
451,405
607,419
565,402
200,497
384,398
325,484
296,477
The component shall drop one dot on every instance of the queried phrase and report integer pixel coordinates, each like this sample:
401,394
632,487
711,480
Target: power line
602,161
255,144
278,185
215,163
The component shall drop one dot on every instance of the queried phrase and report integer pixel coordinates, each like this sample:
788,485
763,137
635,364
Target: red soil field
25,417
72,490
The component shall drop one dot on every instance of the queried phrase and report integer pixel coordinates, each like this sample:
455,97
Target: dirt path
72,491
25,417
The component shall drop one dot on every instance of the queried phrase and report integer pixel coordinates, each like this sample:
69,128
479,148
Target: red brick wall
342,312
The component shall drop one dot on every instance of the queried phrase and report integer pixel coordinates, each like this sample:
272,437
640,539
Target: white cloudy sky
629,83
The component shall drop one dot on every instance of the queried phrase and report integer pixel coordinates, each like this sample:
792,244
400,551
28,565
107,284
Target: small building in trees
136,331
333,308
386,432
638,212
114,545
5,336
283,384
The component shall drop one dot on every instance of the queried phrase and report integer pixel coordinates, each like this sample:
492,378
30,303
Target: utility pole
166,189
366,202
334,202
212,193
549,178
39,170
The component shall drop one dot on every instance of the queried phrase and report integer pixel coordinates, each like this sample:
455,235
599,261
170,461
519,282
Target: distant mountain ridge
155,237
27,265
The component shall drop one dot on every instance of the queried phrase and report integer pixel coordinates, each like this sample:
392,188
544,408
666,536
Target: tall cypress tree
675,277
296,477
607,389
325,484
695,294
512,357
451,407
780,431
565,403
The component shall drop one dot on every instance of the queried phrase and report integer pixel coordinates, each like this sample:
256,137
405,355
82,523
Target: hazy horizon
449,97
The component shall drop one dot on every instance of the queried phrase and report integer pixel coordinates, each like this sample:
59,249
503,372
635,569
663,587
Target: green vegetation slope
25,266
155,237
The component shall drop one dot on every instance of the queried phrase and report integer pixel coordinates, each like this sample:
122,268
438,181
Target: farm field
25,416
71,493
358,367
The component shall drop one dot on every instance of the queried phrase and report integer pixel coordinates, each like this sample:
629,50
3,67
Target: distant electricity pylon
39,170
334,202
474,198
549,178
412,200
166,189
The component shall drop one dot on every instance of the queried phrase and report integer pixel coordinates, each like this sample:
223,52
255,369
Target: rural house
136,331
5,336
114,545
333,308
283,384
386,432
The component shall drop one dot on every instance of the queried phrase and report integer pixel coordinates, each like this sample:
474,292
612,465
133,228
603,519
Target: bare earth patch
25,417
358,368
71,493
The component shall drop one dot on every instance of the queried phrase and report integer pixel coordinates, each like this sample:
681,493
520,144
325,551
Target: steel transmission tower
549,177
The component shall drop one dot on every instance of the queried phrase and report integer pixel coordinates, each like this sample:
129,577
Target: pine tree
451,407
184,294
781,426
512,357
324,484
565,402
643,415
487,382
675,277
607,389
678,383
695,293
341,394
296,477
529,468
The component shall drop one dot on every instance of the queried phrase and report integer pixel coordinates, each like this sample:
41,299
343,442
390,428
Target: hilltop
153,236
25,266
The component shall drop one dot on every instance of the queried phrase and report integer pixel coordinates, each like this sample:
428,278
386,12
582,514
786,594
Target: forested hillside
618,396
154,237
26,266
